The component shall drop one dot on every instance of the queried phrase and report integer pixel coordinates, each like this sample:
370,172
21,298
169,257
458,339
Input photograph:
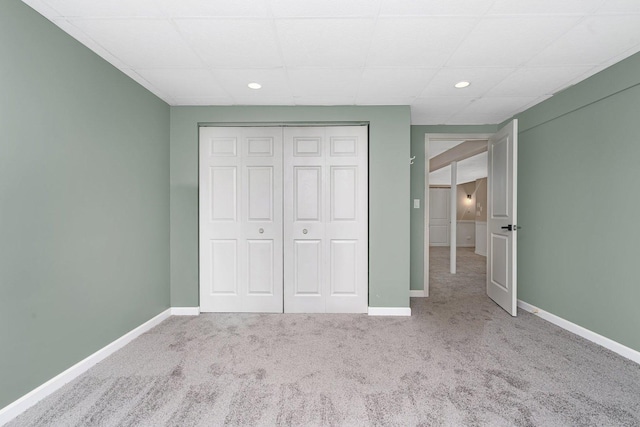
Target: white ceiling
515,53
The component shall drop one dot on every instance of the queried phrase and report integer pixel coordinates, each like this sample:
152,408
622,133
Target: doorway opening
455,199
459,170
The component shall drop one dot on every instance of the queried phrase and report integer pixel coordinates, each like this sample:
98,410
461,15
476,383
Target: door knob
304,231
508,227
261,231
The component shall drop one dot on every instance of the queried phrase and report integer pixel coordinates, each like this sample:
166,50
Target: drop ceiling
515,53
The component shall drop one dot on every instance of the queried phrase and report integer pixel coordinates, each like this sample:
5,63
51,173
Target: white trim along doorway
283,219
501,235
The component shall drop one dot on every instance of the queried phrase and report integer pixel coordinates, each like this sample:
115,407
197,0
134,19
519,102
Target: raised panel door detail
439,216
223,190
224,263
343,267
259,147
307,146
439,204
261,190
344,146
439,235
307,267
307,193
499,248
499,184
344,195
240,219
223,147
260,267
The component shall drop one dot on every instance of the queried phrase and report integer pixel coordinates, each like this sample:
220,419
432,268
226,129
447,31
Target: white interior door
241,265
439,216
502,217
326,219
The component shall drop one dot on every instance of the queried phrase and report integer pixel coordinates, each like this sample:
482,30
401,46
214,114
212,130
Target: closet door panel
240,219
326,258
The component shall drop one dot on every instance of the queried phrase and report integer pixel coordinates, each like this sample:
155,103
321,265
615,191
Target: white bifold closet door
325,217
241,265
283,222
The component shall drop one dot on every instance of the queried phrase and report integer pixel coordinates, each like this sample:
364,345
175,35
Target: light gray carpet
459,360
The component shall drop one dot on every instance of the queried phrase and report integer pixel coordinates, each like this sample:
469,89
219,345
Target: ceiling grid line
362,52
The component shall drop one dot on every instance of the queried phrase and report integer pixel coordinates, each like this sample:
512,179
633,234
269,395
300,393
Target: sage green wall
388,191
84,202
417,191
579,155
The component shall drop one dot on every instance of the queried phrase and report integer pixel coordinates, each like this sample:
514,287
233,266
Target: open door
502,217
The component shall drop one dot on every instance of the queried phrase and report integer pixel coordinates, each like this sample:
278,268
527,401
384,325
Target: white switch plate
416,203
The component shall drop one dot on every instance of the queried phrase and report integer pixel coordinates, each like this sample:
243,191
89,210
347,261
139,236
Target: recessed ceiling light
462,84
254,85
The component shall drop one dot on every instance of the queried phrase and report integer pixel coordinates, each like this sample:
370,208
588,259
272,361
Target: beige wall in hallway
476,209
466,207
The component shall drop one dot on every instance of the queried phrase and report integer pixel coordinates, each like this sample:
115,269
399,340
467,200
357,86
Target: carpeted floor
459,360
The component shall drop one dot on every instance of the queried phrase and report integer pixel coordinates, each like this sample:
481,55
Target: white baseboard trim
389,311
605,342
185,311
417,294
14,409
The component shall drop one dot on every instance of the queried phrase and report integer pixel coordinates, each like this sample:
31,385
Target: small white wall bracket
411,160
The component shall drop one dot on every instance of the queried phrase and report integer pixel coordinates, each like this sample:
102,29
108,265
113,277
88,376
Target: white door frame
427,138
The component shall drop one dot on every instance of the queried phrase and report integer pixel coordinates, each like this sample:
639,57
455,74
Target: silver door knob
304,231
261,231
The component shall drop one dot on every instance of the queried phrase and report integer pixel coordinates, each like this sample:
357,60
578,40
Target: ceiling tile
473,118
378,100
498,106
593,41
424,115
203,101
394,82
184,83
419,119
443,106
430,8
326,42
209,8
509,42
324,8
620,6
266,100
536,81
232,42
543,7
110,8
325,83
324,100
140,43
274,83
422,42
481,79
